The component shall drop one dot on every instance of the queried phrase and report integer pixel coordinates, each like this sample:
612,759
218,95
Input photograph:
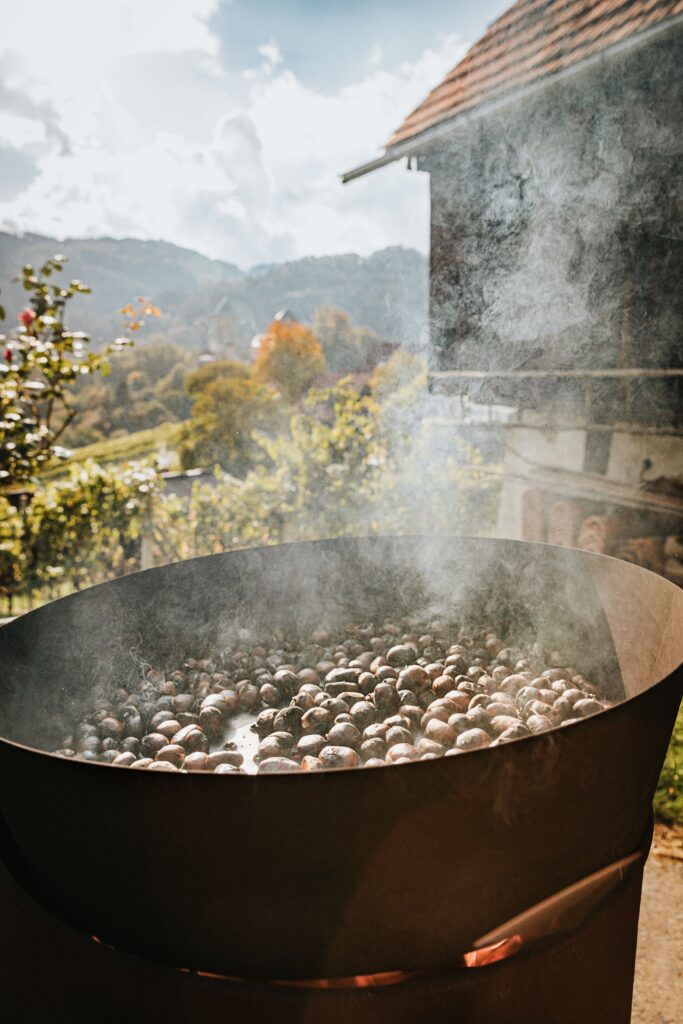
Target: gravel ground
658,993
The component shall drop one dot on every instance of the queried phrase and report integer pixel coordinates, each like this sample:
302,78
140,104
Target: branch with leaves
41,359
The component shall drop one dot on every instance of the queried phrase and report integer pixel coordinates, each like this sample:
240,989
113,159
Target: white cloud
75,62
271,52
90,34
165,143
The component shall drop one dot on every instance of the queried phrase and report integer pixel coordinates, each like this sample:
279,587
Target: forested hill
386,291
117,270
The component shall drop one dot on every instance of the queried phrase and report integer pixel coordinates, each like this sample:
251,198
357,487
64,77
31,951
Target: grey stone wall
557,224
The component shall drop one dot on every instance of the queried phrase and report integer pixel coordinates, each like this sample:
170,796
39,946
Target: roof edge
431,134
406,148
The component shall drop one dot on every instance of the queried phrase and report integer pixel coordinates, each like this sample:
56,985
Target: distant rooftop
222,306
285,315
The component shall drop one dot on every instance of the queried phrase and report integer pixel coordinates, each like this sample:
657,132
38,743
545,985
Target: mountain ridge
386,291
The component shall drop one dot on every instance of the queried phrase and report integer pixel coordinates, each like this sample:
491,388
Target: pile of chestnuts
366,697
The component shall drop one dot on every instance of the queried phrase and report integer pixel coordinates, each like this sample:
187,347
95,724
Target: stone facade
557,222
557,244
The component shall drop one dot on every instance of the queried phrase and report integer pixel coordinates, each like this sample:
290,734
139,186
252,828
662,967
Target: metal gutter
381,161
432,134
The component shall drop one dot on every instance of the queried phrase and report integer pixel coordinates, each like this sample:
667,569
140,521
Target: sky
221,125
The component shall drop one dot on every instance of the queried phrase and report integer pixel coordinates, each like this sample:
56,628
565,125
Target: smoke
109,636
556,245
542,214
555,240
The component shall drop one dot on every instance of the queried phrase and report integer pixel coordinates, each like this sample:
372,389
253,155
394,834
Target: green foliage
335,332
336,471
331,470
347,349
42,362
12,552
75,531
171,394
400,379
198,380
94,512
224,417
146,388
226,514
329,464
40,359
669,796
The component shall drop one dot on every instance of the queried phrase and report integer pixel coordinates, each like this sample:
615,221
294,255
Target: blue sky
221,125
330,43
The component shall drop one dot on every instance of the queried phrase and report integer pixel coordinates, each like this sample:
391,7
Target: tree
224,416
42,361
122,399
347,348
402,374
329,465
171,392
155,377
334,331
290,357
197,381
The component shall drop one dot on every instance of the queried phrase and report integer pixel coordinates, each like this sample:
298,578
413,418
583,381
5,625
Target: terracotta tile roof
533,39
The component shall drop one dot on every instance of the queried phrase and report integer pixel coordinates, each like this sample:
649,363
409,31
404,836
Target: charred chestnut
339,757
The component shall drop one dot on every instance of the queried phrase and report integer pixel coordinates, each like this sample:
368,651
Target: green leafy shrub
669,795
224,416
77,530
41,362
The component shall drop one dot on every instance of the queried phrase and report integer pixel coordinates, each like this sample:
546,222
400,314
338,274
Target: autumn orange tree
290,357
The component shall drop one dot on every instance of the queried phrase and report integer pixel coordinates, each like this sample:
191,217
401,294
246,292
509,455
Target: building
225,337
285,316
555,156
